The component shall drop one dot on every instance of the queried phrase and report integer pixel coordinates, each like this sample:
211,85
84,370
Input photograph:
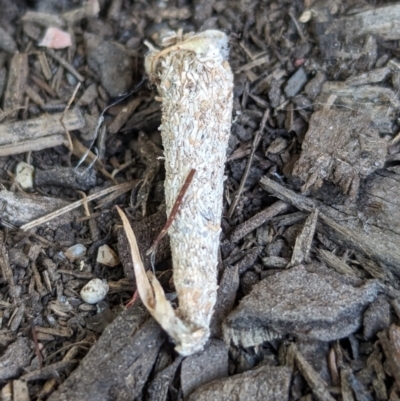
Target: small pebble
24,175
106,256
94,291
75,252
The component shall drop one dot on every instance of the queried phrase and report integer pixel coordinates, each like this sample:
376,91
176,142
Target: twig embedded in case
195,84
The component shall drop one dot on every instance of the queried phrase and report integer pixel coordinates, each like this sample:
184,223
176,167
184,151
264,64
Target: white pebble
75,252
24,175
106,256
94,291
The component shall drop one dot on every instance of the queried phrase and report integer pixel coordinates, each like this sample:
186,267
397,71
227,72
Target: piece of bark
347,393
7,42
16,84
357,230
88,96
146,231
248,259
51,384
124,115
115,78
378,104
336,263
265,383
275,262
21,208
38,133
204,367
15,359
316,354
380,21
6,271
20,391
304,240
119,364
226,296
66,177
69,67
339,153
43,19
390,343
376,317
296,302
49,372
317,384
256,221
158,389
371,77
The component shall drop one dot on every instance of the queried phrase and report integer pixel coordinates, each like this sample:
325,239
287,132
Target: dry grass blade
72,206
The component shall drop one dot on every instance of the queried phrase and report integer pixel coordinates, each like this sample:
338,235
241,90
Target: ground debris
116,78
361,99
38,133
338,153
377,317
318,385
21,208
67,177
370,239
301,67
122,359
158,389
209,365
296,302
16,84
264,383
15,359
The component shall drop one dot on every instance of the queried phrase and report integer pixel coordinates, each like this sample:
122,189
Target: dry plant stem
195,83
65,64
318,386
126,186
173,213
249,163
68,135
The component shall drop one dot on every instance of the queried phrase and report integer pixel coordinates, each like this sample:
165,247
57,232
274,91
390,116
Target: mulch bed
309,291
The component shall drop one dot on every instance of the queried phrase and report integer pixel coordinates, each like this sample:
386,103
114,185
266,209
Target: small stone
94,291
106,256
24,175
75,252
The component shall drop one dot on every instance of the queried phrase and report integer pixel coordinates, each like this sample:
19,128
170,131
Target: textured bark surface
336,152
122,359
266,383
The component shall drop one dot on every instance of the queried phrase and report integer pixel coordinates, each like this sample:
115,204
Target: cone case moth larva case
195,84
